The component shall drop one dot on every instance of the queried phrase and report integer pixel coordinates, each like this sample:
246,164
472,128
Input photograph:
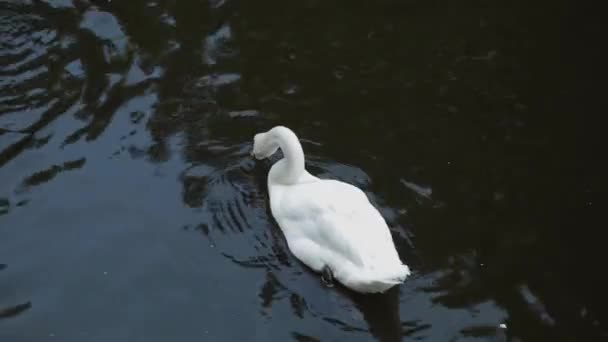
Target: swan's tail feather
381,283
397,276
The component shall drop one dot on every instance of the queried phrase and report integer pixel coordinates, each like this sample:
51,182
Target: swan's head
264,146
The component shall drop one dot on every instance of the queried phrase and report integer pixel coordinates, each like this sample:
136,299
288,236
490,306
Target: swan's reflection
381,311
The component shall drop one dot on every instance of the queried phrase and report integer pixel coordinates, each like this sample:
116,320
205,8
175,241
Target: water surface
130,209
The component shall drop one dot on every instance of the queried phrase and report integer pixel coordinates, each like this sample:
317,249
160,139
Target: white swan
329,225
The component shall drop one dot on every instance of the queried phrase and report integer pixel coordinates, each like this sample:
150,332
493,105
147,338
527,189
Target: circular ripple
232,202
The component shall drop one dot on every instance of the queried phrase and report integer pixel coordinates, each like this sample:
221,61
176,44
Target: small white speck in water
503,326
105,273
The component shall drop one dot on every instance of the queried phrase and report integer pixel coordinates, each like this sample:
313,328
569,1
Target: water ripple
123,121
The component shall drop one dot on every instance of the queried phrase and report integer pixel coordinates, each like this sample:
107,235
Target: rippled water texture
130,209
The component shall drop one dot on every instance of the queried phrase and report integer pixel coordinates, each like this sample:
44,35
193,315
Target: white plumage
328,223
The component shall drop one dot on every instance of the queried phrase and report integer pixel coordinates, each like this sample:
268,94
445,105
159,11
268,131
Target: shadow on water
14,310
125,128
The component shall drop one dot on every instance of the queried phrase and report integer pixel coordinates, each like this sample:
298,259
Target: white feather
328,222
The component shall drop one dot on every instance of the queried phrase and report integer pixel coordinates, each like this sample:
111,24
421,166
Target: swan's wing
362,225
335,216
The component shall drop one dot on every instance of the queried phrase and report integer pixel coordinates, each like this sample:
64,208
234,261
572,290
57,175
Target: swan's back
327,222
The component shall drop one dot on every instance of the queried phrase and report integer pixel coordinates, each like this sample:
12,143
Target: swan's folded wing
359,222
330,244
336,216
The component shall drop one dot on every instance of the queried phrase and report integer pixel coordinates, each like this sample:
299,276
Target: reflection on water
13,310
129,202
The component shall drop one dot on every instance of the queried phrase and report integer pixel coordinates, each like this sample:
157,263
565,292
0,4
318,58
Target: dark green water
130,209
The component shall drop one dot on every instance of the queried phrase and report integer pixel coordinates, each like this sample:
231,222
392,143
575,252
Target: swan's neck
291,167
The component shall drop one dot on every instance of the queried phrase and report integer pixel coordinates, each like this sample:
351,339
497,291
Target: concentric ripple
232,200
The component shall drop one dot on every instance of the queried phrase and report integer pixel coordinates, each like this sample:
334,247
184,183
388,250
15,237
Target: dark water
130,210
